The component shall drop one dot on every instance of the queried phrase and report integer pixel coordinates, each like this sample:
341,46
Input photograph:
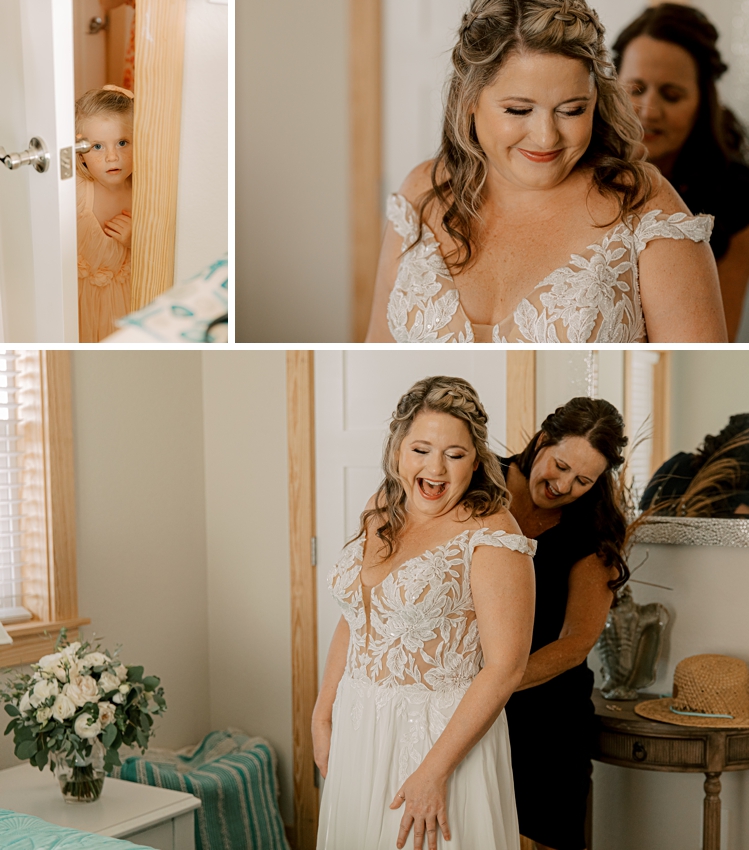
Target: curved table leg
711,813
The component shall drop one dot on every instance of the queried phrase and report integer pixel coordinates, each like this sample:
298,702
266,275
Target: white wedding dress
409,665
596,298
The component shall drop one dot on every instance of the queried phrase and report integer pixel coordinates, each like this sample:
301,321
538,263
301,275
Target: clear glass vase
81,778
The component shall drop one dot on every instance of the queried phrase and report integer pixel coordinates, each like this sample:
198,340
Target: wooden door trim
159,61
365,161
521,399
301,445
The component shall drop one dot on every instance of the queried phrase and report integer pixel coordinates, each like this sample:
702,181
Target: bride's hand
321,732
426,810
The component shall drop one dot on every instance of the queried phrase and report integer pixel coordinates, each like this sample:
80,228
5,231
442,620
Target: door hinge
313,551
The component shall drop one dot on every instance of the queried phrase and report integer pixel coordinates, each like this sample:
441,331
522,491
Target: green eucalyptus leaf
150,683
12,710
109,734
26,749
135,674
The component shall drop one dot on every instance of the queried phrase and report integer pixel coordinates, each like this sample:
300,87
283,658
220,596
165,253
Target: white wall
203,200
708,386
249,612
292,163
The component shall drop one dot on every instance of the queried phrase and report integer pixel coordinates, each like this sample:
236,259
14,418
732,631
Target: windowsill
35,638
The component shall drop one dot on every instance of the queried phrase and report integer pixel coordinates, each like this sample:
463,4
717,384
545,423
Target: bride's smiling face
535,119
436,461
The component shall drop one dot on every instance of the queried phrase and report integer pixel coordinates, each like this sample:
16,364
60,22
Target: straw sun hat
709,690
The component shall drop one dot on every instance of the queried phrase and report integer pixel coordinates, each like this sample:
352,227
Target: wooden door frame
365,155
300,416
159,62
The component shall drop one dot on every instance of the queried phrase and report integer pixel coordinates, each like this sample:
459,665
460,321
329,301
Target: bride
540,177
437,594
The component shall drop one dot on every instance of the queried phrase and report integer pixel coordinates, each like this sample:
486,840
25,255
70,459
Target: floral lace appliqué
593,299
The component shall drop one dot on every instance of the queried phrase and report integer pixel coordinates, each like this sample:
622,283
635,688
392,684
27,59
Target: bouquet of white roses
80,701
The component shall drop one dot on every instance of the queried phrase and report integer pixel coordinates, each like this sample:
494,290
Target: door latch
66,157
36,155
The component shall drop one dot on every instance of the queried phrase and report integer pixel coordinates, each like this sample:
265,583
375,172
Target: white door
355,394
38,262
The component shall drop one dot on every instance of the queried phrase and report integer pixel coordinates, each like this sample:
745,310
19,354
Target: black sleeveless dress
551,725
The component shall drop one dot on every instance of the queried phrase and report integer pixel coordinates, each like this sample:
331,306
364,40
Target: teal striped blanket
235,778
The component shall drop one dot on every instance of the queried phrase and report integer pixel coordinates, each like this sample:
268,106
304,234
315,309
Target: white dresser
154,817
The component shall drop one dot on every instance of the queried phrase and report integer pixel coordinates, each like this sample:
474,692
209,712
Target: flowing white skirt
380,736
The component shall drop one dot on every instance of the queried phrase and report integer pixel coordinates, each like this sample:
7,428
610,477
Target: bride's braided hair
490,31
486,493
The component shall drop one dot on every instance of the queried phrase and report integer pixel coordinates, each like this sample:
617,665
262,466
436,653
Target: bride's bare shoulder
665,198
417,183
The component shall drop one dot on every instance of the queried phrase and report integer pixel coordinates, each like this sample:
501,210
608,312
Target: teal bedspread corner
23,832
234,776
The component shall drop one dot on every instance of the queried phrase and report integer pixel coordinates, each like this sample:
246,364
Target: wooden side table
628,740
155,817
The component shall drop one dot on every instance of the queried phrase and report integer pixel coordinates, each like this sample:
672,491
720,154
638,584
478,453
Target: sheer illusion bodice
421,628
413,652
596,298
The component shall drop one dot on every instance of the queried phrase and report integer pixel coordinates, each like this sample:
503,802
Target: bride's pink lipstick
540,156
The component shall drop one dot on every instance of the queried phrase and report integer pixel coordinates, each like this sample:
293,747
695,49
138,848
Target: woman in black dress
563,496
669,63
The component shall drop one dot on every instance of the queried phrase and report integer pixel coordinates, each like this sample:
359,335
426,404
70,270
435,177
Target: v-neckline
371,587
448,276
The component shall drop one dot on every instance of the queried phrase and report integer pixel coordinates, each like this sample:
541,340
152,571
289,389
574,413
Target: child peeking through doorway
104,189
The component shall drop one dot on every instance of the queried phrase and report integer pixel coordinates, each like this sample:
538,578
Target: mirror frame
159,62
694,531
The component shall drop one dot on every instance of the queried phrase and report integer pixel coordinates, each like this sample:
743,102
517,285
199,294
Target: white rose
25,705
43,691
121,672
63,708
108,682
106,713
71,650
82,690
94,659
43,715
86,727
48,662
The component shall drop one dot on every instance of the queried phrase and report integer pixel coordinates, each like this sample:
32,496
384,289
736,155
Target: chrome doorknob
37,155
82,146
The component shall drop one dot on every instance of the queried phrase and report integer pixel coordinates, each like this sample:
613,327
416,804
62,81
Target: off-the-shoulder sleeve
501,539
404,218
659,225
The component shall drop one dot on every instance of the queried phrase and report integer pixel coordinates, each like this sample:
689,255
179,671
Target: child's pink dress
103,272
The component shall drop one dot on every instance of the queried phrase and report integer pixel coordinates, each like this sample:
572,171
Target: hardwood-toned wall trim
365,170
301,438
49,514
661,411
521,398
159,59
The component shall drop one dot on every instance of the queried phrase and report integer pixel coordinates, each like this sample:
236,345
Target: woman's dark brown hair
601,424
717,137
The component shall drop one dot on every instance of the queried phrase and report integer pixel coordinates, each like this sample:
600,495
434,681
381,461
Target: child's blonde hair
100,102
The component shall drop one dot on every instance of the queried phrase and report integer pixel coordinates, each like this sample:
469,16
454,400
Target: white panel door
38,262
355,395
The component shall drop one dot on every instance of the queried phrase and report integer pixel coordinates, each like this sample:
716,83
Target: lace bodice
422,629
596,298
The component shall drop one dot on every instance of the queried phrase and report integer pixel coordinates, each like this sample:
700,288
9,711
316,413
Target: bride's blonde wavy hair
486,493
491,31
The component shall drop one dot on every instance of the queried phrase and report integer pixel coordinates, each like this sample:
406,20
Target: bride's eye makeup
512,111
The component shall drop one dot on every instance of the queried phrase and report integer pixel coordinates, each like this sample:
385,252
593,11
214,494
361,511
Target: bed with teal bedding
23,832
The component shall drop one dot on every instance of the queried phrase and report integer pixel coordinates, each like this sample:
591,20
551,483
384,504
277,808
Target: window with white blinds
11,484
